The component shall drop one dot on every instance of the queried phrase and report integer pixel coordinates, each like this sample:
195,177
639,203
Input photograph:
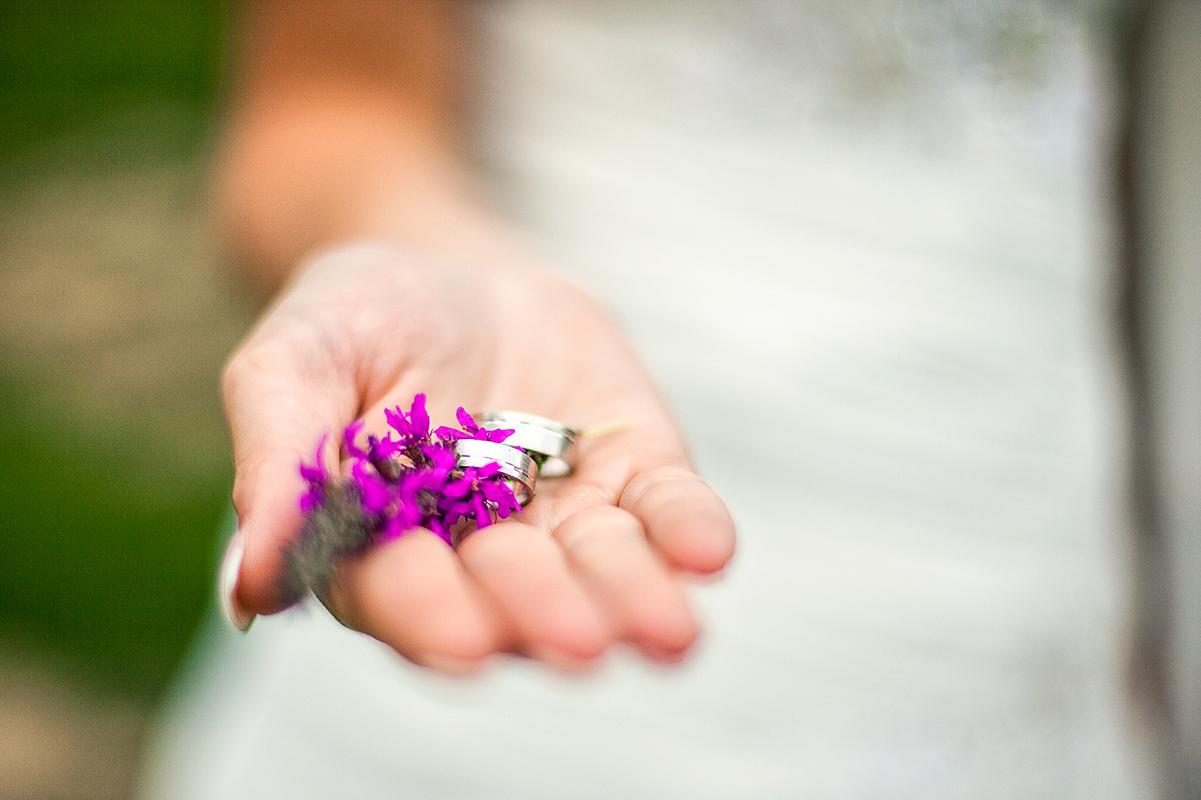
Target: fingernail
227,585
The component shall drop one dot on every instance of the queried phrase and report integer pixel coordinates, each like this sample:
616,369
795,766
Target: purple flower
418,489
382,449
440,459
405,480
412,428
469,429
500,494
475,492
315,476
379,451
396,527
349,435
375,494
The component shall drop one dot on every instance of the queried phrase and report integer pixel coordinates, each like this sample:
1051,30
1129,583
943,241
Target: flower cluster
408,478
403,480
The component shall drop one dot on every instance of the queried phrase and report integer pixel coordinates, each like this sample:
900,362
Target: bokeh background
114,320
116,314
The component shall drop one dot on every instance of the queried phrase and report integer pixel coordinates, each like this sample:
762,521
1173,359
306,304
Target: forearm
344,127
285,189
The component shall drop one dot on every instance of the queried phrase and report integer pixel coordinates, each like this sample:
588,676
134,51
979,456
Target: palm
587,563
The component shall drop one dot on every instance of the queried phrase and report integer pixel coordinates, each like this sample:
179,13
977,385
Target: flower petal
460,488
419,418
442,460
483,518
383,449
496,491
498,435
394,528
348,437
396,421
311,500
441,530
500,495
374,493
316,471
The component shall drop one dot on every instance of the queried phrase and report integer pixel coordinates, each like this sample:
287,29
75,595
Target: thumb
280,397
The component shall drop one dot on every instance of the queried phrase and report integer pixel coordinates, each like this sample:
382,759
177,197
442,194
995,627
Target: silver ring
515,465
548,441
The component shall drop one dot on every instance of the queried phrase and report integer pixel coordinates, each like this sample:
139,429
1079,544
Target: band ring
515,465
548,442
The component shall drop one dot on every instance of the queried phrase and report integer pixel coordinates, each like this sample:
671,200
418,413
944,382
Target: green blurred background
114,471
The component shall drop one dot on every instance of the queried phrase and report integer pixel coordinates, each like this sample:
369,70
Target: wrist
284,194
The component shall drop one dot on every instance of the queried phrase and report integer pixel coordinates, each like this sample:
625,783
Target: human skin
343,197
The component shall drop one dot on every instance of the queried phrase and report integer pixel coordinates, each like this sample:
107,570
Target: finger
414,595
524,573
279,398
607,548
685,520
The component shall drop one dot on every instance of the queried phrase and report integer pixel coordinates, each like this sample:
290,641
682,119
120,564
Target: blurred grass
107,573
65,66
112,464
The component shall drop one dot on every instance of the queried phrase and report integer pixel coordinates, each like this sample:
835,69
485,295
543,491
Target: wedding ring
515,465
547,441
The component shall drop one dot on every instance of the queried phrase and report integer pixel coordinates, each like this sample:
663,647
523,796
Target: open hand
591,560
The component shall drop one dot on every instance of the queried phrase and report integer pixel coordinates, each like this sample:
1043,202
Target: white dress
862,246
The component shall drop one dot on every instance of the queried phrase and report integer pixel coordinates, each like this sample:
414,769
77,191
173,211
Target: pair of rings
536,447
